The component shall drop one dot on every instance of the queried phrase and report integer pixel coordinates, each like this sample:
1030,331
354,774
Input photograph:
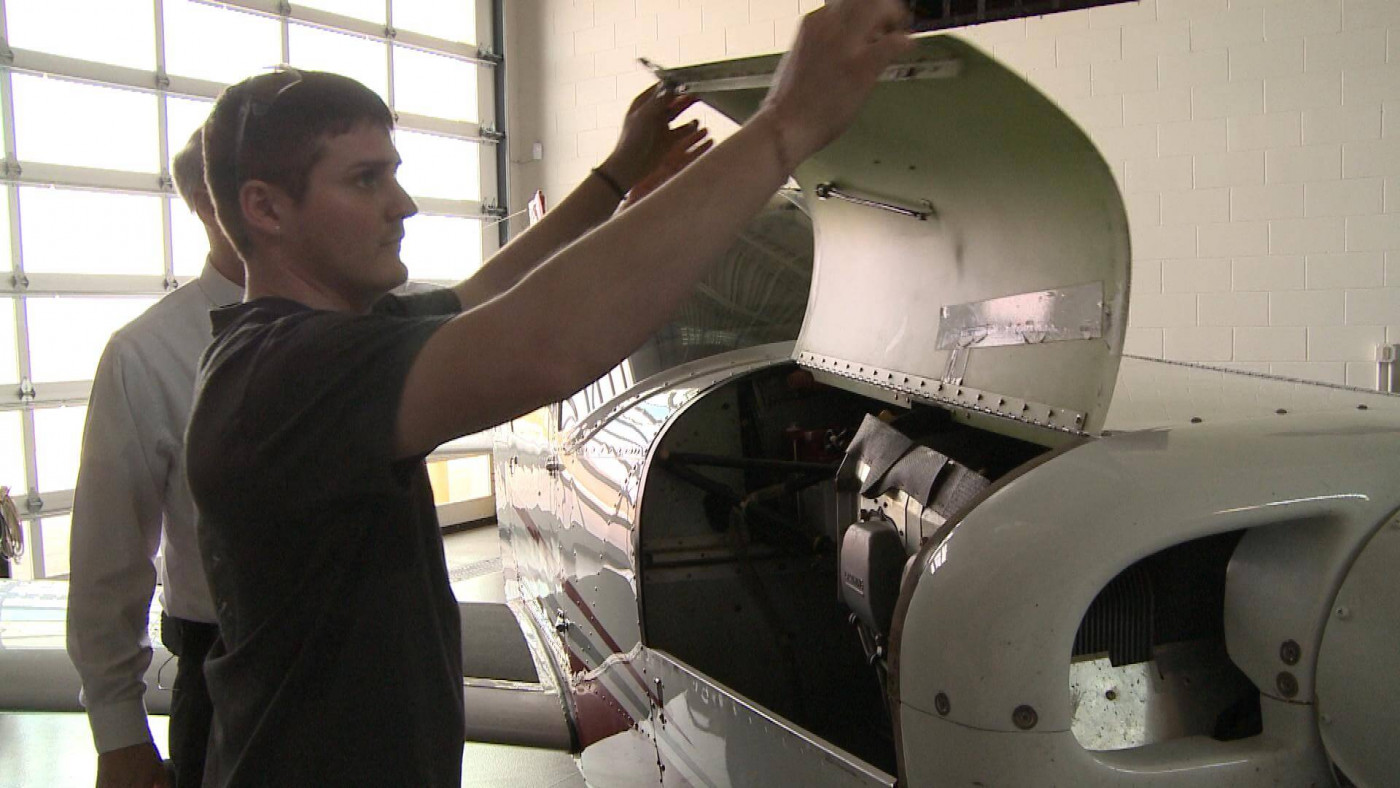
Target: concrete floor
55,750
474,564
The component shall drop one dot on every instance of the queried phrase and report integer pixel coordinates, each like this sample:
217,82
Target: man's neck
228,264
269,276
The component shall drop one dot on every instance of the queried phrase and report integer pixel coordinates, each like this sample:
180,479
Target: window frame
34,503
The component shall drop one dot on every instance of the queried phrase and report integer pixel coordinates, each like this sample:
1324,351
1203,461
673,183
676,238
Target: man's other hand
647,139
137,766
840,52
688,143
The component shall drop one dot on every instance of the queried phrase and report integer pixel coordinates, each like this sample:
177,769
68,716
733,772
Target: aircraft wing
35,672
509,688
510,697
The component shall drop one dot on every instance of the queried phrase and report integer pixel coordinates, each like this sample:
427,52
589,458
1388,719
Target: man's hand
137,766
647,139
840,52
690,143
648,152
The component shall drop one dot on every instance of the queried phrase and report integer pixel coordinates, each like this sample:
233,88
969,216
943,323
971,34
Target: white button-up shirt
131,499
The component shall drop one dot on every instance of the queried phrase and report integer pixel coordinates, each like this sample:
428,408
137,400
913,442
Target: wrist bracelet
608,179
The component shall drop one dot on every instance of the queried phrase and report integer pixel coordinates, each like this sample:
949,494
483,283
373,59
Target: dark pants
190,709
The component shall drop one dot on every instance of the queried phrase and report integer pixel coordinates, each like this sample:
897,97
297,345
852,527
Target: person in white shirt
134,520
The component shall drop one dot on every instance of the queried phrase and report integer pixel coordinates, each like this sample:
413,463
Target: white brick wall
1257,143
1278,141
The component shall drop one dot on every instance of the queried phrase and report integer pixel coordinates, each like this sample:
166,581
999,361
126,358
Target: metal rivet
941,704
1287,684
1025,717
1290,652
1111,695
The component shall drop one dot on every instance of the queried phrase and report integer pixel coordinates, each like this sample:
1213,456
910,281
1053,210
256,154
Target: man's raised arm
646,146
576,315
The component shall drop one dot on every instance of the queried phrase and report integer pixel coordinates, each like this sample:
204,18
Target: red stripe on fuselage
608,640
594,718
530,526
598,713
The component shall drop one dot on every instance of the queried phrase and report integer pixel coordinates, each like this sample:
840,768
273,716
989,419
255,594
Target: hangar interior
1256,144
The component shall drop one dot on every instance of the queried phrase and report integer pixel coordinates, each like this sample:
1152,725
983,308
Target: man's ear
203,206
264,206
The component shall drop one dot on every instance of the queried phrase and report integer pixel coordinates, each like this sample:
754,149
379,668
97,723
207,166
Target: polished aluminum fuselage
990,616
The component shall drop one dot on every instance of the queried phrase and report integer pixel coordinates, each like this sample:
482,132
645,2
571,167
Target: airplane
905,549
888,503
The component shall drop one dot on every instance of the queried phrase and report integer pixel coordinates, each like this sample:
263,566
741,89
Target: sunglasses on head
257,106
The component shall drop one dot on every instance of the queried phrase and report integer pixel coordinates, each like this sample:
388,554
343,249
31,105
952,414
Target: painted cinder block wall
1257,144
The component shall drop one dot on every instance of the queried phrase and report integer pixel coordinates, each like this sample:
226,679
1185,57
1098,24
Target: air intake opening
1149,660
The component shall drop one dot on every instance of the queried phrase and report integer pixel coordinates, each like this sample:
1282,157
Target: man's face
348,226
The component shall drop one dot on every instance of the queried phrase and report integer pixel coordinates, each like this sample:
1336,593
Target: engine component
872,560
881,458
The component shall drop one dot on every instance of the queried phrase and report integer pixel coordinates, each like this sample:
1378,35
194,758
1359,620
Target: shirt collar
266,308
219,290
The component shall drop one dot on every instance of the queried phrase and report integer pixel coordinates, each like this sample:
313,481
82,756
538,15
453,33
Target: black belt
181,634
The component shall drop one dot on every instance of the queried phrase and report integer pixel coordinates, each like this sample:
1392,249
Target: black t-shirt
340,661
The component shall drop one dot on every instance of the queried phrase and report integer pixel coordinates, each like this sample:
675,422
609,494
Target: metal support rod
696,479
736,502
498,45
826,191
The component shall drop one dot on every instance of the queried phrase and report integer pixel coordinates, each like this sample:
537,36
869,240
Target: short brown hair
271,128
188,168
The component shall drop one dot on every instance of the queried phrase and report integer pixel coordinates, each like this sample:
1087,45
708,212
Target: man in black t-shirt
340,655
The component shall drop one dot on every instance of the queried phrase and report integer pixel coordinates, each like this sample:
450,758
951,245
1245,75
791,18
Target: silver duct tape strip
965,397
1061,314
736,79
957,365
